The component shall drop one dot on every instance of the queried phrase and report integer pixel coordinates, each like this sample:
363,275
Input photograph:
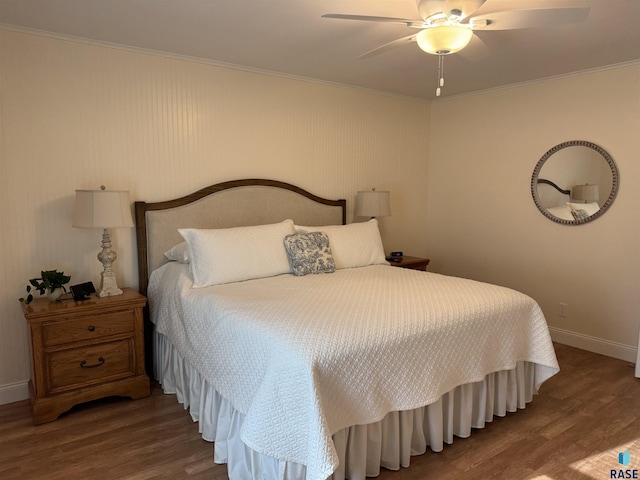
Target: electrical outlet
563,311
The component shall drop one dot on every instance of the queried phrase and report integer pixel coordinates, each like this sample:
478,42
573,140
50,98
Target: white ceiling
290,37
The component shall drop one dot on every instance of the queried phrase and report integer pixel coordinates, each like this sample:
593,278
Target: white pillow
563,212
352,245
228,255
178,253
590,208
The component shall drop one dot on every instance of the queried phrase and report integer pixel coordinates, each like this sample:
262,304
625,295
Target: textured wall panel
76,115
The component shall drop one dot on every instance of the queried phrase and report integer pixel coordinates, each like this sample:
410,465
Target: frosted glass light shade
444,39
373,204
102,209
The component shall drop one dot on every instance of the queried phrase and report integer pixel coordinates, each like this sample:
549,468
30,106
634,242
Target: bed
333,364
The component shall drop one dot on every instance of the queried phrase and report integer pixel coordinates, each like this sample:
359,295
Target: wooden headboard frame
223,205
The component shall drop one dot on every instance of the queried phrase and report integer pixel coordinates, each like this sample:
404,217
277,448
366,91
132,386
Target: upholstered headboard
229,204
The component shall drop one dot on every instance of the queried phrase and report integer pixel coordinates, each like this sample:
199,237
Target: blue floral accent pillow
309,253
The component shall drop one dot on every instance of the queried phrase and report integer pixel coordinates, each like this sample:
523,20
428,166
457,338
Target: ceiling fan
447,26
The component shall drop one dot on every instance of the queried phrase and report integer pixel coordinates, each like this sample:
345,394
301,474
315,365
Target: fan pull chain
440,74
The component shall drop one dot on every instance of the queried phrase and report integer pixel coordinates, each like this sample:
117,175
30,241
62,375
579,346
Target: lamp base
108,285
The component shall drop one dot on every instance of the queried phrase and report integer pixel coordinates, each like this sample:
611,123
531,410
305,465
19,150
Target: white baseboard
621,351
14,392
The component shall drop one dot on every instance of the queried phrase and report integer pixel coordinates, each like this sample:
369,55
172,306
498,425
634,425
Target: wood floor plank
573,429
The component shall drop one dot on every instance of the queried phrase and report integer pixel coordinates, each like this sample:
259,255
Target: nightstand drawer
63,332
85,350
89,365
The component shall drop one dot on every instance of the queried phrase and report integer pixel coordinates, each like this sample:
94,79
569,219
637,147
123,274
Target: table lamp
373,204
104,209
585,193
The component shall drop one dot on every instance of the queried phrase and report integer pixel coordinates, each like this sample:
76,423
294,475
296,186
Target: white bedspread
304,357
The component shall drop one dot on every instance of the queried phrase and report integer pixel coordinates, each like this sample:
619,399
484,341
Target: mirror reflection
574,182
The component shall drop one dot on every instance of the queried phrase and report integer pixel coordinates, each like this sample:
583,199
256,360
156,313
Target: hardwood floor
573,429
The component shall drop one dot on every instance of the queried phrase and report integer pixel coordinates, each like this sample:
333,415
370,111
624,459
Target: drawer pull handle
83,363
92,328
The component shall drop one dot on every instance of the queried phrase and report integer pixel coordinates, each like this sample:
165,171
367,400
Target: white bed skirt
362,449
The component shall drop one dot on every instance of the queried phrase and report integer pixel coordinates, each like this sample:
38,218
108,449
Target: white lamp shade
585,193
102,209
373,204
444,39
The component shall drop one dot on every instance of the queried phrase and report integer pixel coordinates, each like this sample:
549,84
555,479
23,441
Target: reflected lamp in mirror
373,203
585,193
104,209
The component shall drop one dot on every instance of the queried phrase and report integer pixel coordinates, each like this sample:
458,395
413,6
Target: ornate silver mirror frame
569,189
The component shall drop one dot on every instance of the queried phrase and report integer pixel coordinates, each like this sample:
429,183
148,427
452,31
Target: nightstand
414,263
86,350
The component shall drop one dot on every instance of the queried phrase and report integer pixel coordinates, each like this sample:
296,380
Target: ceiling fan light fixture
444,39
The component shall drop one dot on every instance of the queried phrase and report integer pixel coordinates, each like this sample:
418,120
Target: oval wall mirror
574,182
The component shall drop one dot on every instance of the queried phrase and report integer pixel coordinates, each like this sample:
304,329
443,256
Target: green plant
48,281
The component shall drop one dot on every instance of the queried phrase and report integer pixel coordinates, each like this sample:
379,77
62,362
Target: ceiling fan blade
542,17
366,18
388,46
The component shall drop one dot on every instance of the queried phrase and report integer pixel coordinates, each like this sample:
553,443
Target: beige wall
483,224
76,115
